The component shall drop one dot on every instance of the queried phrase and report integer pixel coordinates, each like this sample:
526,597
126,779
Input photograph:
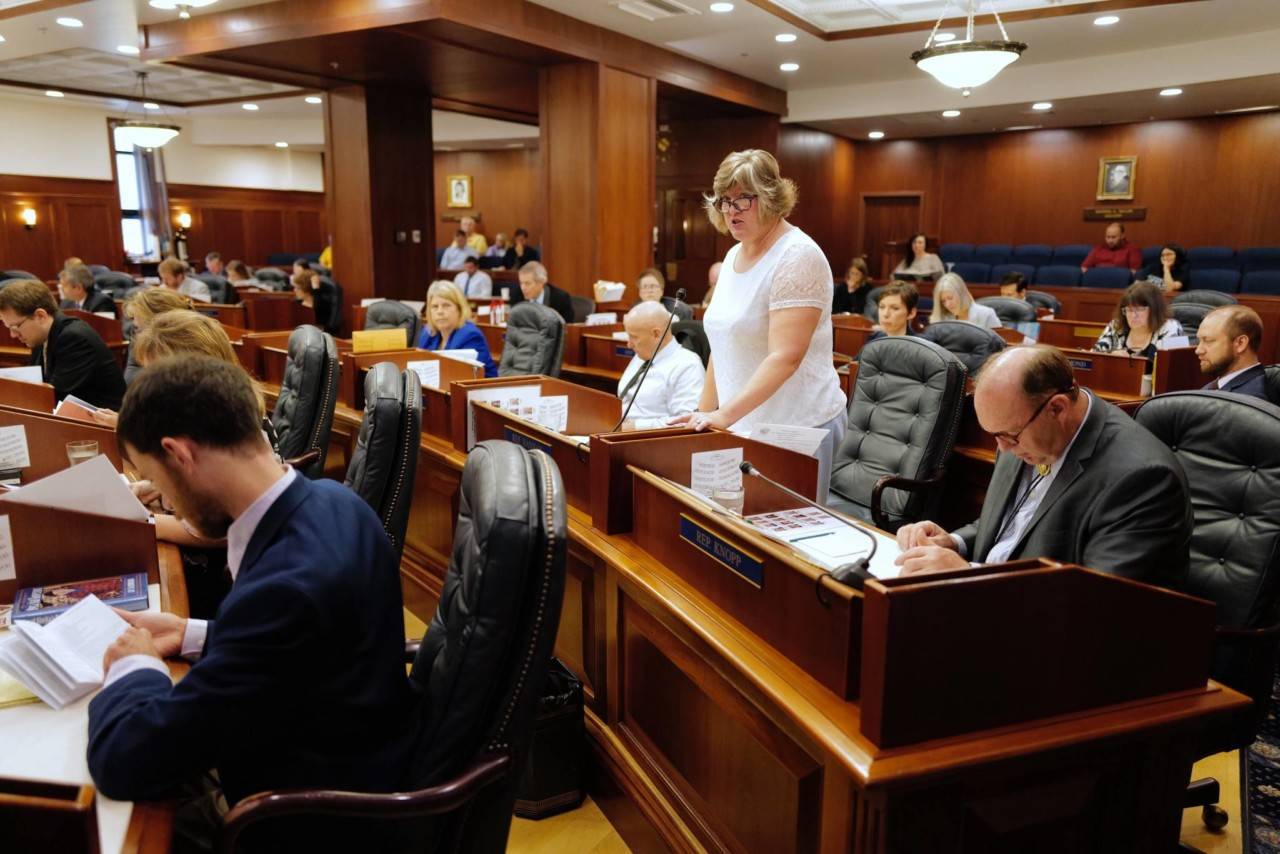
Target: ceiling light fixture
950,114
1171,91
1041,106
965,64
785,38
312,99
789,66
143,132
876,134
128,48
184,7
73,23
1106,21
721,7
53,93
282,144
253,108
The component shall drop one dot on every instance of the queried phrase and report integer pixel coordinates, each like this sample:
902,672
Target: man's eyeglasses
1012,438
14,327
741,204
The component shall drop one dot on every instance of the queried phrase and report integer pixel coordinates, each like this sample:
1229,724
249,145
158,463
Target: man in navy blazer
299,681
1229,337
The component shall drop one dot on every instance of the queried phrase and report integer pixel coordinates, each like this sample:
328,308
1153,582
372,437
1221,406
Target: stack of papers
523,401
609,291
602,318
24,374
62,661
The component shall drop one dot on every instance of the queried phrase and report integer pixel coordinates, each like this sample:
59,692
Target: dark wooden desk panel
606,353
37,397
270,312
47,438
575,350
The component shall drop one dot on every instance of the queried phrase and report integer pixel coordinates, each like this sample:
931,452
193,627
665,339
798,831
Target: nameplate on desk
624,352
750,569
526,441
1087,331
1081,364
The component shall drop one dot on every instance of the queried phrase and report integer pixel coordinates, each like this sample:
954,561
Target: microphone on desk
852,574
644,369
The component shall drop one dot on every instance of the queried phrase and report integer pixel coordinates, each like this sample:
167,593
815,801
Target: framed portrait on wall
459,190
1116,176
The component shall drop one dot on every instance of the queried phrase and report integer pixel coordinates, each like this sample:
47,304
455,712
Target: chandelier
968,63
142,132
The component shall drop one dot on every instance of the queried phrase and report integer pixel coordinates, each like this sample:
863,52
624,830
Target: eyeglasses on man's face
1012,438
14,327
741,204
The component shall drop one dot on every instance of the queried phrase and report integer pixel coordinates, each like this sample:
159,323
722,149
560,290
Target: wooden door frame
918,195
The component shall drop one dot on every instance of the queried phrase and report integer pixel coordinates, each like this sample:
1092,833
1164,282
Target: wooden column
378,179
597,141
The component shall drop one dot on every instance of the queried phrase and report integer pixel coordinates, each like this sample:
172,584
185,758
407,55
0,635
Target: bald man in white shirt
674,379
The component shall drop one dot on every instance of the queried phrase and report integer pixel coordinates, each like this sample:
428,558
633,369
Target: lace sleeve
802,279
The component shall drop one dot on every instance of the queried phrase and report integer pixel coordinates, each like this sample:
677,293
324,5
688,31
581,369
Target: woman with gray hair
952,301
770,326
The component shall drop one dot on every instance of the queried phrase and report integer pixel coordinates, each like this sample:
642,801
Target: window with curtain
144,221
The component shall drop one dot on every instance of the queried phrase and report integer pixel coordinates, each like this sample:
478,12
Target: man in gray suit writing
1075,480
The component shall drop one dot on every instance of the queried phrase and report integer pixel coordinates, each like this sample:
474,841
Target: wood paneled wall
1208,181
505,192
74,217
822,165
249,224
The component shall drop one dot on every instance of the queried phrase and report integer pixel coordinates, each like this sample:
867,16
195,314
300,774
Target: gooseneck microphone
644,369
853,574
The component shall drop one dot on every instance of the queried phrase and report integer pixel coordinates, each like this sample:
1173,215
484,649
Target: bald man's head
645,324
1027,398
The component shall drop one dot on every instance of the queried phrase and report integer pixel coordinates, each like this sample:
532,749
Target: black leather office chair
220,289
303,415
1010,310
582,306
534,343
679,308
277,280
113,284
1190,314
973,345
18,274
1204,297
328,302
1272,380
385,459
903,420
1040,299
392,314
692,336
871,308
1226,444
479,669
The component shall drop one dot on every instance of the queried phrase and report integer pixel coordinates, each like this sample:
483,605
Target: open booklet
62,661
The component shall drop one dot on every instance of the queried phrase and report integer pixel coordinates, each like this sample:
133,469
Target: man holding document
298,682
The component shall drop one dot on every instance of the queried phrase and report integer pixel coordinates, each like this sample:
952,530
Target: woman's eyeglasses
741,204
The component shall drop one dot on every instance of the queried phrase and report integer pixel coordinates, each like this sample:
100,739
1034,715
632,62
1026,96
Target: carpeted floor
1261,781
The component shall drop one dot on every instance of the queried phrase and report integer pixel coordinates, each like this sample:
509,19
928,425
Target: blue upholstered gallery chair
993,253
955,252
1058,275
999,271
1034,254
1259,258
1106,277
972,271
1227,281
1071,254
1151,254
1214,257
1261,282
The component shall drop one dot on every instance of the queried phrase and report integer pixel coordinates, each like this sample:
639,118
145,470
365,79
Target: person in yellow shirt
475,240
326,257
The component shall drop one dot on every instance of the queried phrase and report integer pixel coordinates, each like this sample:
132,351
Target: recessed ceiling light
128,48
151,105
789,66
74,23
282,145
1042,106
313,99
944,37
876,134
1,39
722,7
1106,21
950,114
1171,91
53,93
785,38
253,108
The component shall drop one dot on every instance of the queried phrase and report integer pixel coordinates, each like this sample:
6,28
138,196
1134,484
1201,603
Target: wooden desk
271,311
495,336
38,397
227,315
849,333
604,352
1076,334
575,340
1177,369
436,401
47,438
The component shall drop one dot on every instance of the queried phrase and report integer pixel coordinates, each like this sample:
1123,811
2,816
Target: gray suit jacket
1119,504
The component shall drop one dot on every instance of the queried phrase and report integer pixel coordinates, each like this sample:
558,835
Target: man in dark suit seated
1075,480
75,286
74,358
299,682
534,287
1229,338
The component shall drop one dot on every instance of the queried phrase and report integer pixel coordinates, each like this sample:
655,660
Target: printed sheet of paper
428,371
24,374
516,399
802,440
14,453
712,470
1173,341
828,542
469,356
601,318
8,571
553,412
93,486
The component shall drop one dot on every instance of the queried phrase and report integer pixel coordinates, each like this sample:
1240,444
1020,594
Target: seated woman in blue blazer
448,325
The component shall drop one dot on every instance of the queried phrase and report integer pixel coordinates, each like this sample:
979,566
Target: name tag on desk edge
624,352
743,565
526,441
1081,364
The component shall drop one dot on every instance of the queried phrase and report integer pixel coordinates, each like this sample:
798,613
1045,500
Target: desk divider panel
269,312
253,343
1178,369
47,437
1070,333
575,351
1024,641
782,608
37,815
849,339
587,408
37,397
666,452
1108,374
606,353
435,401
495,336
109,329
52,545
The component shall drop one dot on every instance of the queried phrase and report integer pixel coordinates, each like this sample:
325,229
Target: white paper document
600,318
8,571
62,661
1173,341
469,356
14,453
428,371
802,440
828,542
620,335
712,470
93,486
519,400
553,412
24,374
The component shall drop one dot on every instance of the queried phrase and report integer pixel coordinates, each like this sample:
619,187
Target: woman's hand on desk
106,417
701,420
133,641
164,631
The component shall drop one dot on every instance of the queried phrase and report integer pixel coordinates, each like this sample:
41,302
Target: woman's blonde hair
146,305
953,284
187,332
446,290
753,171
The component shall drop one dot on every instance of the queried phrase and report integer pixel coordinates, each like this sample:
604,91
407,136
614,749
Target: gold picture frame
1116,177
458,191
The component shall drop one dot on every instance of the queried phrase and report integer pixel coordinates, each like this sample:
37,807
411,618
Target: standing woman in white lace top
769,323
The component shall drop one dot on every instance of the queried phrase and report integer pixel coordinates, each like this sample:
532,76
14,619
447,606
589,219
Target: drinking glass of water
729,498
81,450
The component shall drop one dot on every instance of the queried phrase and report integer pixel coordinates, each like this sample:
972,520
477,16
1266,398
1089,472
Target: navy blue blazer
302,682
466,337
1252,382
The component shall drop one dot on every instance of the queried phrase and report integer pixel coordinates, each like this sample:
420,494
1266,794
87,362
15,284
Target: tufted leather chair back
303,415
1272,383
390,314
681,309
692,336
1010,310
871,308
582,306
482,662
903,421
973,345
534,343
273,278
113,284
1204,297
1040,299
386,454
1226,444
220,289
1190,315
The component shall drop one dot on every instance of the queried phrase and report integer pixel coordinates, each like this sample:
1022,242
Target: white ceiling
831,15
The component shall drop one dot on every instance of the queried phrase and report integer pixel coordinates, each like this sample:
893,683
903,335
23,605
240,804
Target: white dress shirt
477,284
196,289
672,387
453,257
238,537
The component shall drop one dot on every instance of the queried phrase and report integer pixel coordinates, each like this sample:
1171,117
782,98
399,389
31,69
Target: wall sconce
184,220
29,218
